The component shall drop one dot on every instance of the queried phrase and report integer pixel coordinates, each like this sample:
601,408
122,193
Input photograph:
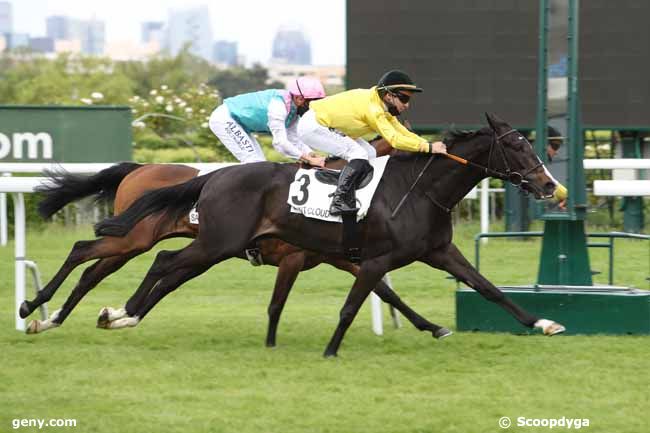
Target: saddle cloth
310,197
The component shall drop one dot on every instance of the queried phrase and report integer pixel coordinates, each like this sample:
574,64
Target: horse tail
64,187
175,200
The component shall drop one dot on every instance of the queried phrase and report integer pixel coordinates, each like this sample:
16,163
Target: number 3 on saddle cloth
310,195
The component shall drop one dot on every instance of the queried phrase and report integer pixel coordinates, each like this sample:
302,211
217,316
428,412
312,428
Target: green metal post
564,258
632,207
517,214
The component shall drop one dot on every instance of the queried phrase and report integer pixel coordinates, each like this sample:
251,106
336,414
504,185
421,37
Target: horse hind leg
82,251
89,280
288,270
170,270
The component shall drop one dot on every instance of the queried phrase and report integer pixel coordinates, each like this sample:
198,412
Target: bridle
514,177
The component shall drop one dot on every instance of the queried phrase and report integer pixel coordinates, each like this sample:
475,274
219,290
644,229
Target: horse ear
494,121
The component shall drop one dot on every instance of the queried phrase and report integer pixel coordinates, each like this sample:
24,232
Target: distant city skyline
254,32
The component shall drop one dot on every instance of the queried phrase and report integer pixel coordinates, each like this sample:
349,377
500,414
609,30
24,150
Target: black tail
175,200
65,187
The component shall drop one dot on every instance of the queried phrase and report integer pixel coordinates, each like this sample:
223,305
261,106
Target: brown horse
128,181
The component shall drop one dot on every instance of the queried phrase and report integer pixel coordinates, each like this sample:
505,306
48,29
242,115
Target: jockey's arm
283,141
397,135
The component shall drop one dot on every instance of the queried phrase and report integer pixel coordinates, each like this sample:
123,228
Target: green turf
198,362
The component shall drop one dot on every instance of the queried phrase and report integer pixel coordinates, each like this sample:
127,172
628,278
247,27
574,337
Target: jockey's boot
344,200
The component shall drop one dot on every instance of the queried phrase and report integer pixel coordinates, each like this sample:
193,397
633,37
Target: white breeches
331,141
244,147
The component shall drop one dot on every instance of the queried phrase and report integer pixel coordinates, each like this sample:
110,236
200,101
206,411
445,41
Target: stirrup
254,256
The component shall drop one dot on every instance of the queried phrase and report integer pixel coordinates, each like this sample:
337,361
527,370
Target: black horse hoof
270,344
24,310
442,333
330,355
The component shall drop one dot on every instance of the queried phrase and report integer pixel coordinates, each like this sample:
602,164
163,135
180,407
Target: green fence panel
65,134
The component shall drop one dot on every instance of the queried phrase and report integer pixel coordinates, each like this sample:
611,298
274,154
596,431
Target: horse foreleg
288,270
369,275
450,259
390,297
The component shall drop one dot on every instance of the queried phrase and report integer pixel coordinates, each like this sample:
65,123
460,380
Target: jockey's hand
438,147
313,159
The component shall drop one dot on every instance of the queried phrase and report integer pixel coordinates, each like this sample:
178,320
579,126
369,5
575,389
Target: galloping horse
124,183
238,205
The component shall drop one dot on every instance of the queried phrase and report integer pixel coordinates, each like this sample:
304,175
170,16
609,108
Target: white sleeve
292,135
277,114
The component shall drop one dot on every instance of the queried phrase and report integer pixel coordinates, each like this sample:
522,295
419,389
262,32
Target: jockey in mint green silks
272,111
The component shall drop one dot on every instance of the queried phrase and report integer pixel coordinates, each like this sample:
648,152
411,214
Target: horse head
512,155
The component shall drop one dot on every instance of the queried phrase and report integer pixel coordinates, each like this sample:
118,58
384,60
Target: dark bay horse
123,184
238,205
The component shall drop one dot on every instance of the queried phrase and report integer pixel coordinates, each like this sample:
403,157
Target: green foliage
185,87
66,80
181,72
238,80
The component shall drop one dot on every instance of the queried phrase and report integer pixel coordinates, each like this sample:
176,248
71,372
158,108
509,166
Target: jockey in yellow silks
336,124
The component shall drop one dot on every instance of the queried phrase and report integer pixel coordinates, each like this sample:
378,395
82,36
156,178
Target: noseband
514,177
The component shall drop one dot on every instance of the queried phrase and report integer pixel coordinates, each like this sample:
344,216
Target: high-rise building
291,46
42,44
6,18
93,37
90,33
59,27
16,40
225,52
190,26
153,31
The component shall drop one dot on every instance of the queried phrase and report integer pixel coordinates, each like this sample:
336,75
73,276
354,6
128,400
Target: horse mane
451,137
454,136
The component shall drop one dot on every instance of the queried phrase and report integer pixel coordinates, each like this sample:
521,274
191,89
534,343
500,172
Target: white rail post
4,224
19,219
375,308
485,208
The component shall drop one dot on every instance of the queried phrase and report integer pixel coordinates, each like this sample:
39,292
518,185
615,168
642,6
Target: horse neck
451,181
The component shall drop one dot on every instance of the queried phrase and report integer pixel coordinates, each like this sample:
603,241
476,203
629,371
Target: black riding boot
344,200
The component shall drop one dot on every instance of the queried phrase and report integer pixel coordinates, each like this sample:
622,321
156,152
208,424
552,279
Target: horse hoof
270,344
554,329
103,319
330,355
34,327
549,327
442,333
24,310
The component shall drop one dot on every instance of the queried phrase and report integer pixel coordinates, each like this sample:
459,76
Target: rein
514,177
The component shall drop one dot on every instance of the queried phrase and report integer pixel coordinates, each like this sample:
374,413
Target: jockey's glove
436,147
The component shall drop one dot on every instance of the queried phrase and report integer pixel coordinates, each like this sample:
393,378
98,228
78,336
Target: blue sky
252,23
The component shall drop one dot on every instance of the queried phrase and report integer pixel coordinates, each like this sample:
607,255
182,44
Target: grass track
198,363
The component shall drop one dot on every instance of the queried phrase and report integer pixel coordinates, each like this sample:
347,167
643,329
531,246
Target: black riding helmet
395,80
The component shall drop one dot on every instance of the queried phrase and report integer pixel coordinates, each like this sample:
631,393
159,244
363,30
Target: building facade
291,46
190,27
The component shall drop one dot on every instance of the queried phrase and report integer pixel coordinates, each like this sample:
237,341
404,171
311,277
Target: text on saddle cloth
310,197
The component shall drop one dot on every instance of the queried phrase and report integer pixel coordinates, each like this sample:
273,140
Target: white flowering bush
166,119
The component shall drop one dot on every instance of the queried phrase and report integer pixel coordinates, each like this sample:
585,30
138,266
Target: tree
238,80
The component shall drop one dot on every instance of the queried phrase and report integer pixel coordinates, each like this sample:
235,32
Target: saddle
331,177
